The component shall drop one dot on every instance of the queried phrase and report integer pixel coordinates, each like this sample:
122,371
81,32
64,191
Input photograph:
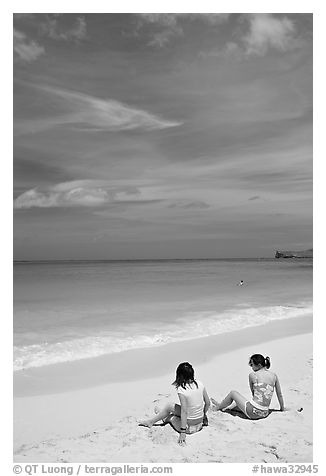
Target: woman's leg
168,410
233,396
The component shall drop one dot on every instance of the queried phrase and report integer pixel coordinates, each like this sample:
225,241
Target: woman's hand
182,439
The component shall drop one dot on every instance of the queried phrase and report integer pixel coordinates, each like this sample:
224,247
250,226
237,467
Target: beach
162,214
88,411
96,346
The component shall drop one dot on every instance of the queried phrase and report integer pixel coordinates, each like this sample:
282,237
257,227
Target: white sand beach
88,411
162,183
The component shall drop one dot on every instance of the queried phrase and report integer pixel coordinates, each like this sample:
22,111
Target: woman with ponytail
262,383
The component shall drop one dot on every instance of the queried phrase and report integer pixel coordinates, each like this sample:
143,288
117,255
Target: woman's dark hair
258,359
185,375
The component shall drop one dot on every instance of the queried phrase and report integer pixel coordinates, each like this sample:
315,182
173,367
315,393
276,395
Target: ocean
65,311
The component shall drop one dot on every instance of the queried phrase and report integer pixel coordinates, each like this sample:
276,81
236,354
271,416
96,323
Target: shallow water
71,310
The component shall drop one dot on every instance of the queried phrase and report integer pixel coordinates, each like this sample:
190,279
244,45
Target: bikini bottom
175,422
255,413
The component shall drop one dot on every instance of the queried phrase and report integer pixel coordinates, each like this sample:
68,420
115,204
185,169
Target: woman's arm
279,393
206,406
183,403
206,400
251,382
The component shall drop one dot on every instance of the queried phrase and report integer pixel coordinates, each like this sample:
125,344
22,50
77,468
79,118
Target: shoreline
147,363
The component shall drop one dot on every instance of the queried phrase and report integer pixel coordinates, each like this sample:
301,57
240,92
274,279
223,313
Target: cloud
256,197
24,49
167,25
191,204
68,194
28,50
263,32
267,31
52,29
56,26
96,193
170,25
82,193
163,38
91,113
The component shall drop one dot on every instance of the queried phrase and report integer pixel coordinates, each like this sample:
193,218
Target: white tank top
195,399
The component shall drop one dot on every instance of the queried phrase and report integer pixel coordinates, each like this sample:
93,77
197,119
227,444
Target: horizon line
144,259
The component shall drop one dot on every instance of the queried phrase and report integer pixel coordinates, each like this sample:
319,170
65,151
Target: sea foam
194,325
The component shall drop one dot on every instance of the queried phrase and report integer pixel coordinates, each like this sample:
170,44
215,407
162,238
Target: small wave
190,327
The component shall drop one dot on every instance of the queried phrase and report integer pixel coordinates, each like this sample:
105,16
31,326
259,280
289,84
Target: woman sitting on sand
190,416
262,383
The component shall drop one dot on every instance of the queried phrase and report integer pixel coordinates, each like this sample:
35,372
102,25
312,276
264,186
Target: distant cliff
294,254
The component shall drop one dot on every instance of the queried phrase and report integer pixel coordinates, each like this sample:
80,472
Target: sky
143,136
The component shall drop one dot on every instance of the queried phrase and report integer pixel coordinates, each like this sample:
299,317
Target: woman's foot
147,423
216,405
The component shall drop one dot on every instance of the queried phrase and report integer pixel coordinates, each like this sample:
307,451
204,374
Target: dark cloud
28,173
256,197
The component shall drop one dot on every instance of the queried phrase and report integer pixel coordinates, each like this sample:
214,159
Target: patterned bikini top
262,393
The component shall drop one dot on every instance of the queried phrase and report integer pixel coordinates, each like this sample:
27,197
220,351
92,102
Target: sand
66,413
